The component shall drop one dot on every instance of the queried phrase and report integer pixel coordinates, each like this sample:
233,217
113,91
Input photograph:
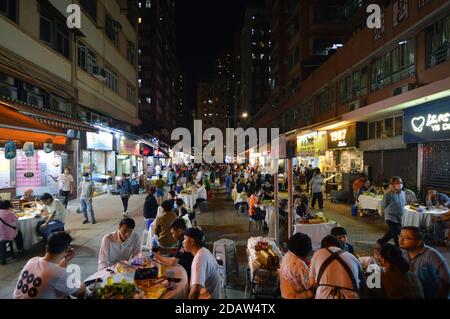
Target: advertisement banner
101,141
427,122
312,144
129,147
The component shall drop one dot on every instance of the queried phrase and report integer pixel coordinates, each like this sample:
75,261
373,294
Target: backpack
10,150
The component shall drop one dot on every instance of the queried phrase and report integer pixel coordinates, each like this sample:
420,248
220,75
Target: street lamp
243,116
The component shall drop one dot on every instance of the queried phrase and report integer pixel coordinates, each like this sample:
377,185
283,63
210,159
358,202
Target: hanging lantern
10,150
28,148
48,146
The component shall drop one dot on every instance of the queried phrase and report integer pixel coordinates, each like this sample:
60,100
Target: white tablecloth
315,231
27,225
420,219
189,200
369,202
180,292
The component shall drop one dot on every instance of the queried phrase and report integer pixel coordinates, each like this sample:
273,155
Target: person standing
159,184
150,207
86,195
171,178
309,172
316,184
66,188
228,181
124,186
393,203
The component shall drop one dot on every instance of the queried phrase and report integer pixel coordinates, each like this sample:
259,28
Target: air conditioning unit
6,79
99,73
404,89
354,105
35,100
7,91
30,88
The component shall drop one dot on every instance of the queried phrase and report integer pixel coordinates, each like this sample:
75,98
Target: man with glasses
427,263
393,203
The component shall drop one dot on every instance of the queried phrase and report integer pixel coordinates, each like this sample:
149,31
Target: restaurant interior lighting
244,115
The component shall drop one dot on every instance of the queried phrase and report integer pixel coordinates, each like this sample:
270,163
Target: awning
19,127
44,117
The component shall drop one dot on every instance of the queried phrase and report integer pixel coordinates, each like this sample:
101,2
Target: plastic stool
224,250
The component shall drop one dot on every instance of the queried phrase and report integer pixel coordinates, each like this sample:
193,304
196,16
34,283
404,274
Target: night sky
205,30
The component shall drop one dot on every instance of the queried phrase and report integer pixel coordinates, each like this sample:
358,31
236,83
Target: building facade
67,96
361,95
158,68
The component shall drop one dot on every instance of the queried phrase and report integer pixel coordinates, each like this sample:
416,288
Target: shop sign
101,141
129,147
344,137
312,144
429,122
400,11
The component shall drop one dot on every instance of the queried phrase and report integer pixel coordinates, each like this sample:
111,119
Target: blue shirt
125,187
441,199
431,268
393,204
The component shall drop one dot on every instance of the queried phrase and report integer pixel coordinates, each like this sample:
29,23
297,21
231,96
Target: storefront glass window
380,128
86,162
40,172
389,127
371,131
110,162
5,171
398,126
98,163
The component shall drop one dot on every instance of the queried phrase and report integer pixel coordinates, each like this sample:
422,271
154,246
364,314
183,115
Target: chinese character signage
427,122
128,147
400,11
99,141
312,144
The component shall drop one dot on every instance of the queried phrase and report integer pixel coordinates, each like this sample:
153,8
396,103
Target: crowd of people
407,269
411,270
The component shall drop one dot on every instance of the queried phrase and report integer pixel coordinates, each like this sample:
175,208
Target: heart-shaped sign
418,123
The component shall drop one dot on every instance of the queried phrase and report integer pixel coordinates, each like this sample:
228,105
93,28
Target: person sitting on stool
54,214
201,195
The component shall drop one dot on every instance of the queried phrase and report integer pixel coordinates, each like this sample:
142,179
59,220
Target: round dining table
422,217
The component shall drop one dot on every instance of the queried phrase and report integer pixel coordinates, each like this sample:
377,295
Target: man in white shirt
205,278
120,245
66,185
336,273
54,215
46,277
202,195
86,194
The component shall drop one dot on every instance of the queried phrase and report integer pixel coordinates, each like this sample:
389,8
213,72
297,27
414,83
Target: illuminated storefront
312,150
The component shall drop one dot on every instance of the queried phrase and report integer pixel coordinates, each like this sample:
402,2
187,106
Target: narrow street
220,221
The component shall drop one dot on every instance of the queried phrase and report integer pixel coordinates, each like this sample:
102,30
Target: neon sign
437,122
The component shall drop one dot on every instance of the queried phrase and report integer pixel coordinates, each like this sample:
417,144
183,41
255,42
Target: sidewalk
87,238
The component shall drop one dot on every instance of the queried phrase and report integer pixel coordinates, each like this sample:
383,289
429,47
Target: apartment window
325,100
148,4
294,58
112,80
111,29
328,15
131,94
403,61
325,46
394,66
131,52
90,6
345,90
86,58
389,127
9,9
359,82
437,39
53,32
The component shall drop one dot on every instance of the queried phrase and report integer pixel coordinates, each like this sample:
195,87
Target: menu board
129,147
40,172
101,141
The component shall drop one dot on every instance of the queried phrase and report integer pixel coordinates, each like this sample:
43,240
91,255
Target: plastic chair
224,250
